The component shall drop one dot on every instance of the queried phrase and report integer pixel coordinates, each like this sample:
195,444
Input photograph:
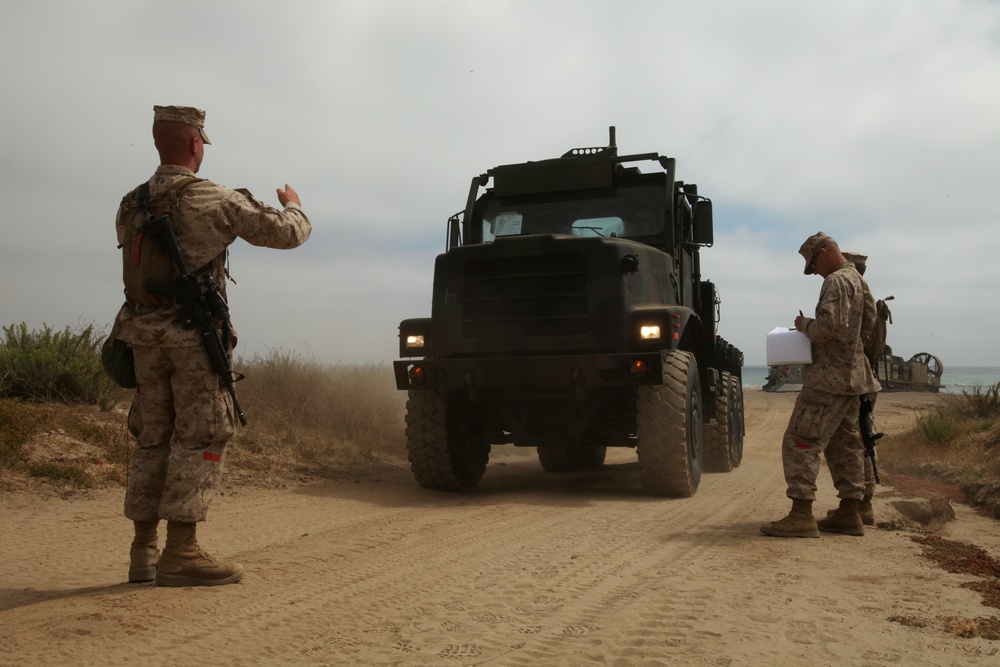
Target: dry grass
961,436
306,420
64,445
311,418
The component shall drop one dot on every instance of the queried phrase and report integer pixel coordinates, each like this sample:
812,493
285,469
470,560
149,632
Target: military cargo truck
569,314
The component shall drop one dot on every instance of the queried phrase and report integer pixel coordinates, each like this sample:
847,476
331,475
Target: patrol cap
186,115
811,246
858,260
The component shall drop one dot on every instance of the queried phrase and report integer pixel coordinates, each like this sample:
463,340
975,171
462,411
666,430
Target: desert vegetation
62,422
309,418
50,365
959,440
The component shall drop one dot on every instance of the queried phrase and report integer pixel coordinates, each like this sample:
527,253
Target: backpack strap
140,230
143,197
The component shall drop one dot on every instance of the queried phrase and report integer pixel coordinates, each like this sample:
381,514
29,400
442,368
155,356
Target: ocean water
754,377
954,380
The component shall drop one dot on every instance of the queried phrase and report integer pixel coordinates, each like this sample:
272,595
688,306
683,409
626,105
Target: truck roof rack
611,149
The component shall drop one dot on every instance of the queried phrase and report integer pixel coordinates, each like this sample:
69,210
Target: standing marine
183,416
874,349
825,417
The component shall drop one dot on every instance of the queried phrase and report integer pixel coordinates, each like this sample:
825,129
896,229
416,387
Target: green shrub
50,365
940,427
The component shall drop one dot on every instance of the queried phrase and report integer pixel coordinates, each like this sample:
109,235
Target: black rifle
868,434
197,306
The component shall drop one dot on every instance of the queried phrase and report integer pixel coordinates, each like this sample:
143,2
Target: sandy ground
532,569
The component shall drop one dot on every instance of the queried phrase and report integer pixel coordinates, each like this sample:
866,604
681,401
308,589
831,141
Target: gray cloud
875,122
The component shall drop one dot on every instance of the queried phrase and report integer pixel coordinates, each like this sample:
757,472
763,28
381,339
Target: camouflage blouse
845,317
211,217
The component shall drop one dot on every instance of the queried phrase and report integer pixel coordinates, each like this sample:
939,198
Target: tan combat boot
184,563
845,519
799,522
144,552
864,509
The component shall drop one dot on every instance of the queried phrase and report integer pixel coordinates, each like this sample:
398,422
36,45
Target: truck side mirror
703,234
454,232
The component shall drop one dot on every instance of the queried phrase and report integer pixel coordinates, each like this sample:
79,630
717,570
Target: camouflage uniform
183,417
874,348
825,417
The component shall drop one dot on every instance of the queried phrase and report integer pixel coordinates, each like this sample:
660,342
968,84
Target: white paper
786,347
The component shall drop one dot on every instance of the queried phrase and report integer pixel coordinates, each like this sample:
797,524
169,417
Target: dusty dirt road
532,569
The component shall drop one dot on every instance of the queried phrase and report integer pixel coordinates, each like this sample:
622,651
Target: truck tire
738,429
441,452
669,429
568,459
719,434
555,459
591,456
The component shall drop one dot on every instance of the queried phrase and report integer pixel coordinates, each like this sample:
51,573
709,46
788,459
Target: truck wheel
555,459
590,456
568,459
669,428
719,434
441,444
737,430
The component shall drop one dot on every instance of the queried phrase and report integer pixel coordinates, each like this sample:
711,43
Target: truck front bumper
569,374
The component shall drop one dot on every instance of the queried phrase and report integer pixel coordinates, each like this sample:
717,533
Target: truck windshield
628,212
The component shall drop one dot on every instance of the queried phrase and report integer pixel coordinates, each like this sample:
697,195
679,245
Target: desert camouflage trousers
181,419
828,424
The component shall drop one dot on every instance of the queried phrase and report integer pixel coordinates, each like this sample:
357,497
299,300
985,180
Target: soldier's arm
262,225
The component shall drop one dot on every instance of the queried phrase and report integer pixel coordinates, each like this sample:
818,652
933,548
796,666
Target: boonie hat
186,115
812,244
858,260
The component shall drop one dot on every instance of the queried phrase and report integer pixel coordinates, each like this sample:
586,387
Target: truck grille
512,297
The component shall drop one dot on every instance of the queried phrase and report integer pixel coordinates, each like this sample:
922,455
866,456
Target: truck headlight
415,342
649,332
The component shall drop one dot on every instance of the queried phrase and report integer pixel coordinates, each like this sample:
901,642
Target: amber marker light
638,369
677,325
416,375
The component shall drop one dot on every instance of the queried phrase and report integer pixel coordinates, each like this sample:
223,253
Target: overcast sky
877,122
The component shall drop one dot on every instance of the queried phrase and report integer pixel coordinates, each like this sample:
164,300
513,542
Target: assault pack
144,263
